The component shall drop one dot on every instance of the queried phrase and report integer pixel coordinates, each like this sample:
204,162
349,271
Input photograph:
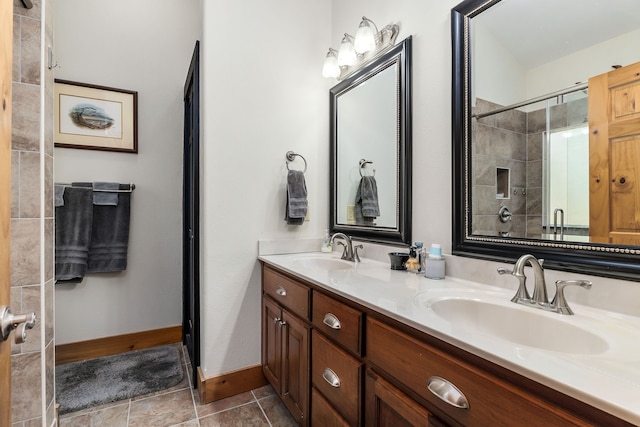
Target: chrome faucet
540,298
349,253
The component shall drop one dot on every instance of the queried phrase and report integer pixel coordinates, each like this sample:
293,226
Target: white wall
263,95
144,46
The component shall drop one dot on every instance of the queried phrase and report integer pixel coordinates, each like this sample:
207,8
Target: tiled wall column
32,215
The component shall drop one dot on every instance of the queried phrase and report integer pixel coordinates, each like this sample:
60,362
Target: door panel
191,207
614,152
6,49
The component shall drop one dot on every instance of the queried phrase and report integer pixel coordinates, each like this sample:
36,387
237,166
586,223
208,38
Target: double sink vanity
349,343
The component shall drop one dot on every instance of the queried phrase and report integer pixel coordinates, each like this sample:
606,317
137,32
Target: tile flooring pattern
180,406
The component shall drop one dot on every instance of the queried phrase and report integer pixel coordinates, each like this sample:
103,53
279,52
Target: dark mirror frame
595,259
401,53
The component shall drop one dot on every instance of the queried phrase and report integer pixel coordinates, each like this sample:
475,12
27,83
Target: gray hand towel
296,208
109,233
105,198
367,207
73,234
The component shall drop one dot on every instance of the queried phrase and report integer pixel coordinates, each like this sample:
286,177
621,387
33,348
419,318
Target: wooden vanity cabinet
313,340
286,341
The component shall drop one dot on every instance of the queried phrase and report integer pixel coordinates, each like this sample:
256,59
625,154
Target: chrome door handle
447,392
281,291
10,321
331,321
331,378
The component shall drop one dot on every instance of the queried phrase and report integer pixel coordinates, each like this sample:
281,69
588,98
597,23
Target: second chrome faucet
540,299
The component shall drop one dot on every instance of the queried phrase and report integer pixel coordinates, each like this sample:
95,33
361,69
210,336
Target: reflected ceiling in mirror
370,149
511,141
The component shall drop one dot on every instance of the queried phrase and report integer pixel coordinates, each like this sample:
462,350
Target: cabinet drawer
490,401
286,292
337,375
338,321
323,414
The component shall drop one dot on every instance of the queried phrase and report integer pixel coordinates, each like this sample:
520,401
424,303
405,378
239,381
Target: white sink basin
324,263
518,324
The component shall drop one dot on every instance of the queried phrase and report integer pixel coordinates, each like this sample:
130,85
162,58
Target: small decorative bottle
326,243
434,265
420,256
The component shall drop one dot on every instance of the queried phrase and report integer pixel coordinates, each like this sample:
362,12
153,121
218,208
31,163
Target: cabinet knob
331,321
447,392
331,378
281,291
276,320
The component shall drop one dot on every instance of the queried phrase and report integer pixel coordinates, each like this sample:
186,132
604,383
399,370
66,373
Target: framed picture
95,117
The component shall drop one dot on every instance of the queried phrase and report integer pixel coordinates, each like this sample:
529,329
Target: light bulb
330,67
346,54
365,38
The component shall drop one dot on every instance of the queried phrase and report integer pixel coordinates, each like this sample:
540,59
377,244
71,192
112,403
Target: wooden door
295,367
614,156
272,343
6,52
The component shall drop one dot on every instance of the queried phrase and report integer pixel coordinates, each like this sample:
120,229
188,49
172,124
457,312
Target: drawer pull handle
446,391
281,291
331,321
331,378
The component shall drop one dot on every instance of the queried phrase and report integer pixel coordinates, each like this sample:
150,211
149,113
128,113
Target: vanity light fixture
347,54
355,51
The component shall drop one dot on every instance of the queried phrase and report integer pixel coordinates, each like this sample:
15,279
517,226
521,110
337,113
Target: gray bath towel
59,195
73,234
367,207
296,207
105,198
109,233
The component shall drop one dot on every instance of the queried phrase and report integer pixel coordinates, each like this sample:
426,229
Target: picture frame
95,117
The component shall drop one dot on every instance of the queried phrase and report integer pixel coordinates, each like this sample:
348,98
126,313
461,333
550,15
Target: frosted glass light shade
365,38
330,68
346,54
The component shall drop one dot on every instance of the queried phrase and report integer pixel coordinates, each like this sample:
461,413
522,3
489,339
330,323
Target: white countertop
608,380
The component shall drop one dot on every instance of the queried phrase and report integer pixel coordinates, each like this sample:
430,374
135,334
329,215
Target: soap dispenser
326,243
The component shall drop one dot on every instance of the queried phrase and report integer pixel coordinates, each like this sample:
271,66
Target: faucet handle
559,303
356,257
345,248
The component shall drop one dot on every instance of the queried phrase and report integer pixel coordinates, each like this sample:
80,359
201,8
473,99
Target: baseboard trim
229,384
90,349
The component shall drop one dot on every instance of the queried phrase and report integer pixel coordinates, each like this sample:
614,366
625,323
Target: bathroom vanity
347,344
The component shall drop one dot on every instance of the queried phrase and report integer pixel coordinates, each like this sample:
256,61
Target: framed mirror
527,110
370,184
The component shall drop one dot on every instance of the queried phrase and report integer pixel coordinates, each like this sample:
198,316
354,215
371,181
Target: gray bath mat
108,379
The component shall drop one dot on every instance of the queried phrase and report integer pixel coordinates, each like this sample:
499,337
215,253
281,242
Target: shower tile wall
32,229
499,141
514,140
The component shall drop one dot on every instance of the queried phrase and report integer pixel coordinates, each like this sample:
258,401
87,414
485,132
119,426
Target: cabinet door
272,343
386,406
295,362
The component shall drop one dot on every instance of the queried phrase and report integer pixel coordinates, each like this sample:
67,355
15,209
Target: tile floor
180,406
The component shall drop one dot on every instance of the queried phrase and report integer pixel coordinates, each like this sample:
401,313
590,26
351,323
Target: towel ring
291,156
363,164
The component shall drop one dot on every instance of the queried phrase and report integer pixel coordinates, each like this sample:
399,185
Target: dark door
191,206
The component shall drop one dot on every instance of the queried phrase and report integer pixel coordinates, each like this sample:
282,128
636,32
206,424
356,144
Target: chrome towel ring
291,156
363,164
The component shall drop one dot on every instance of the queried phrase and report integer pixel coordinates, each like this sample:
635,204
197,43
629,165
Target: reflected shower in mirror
532,132
370,149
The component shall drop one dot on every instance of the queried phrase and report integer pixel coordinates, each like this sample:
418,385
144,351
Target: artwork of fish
91,117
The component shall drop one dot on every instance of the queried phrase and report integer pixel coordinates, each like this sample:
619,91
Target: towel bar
291,156
130,190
